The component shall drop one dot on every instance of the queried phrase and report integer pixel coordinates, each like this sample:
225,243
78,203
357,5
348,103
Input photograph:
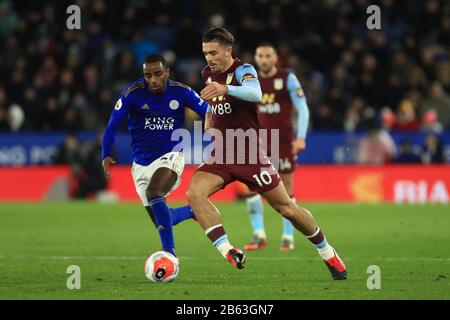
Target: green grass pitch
109,242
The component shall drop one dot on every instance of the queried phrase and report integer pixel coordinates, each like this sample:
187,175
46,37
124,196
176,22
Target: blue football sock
288,229
256,209
180,214
164,223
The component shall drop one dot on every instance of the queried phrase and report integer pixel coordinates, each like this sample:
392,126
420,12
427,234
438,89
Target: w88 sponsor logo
269,108
221,108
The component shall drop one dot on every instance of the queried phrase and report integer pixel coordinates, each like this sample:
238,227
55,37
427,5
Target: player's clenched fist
213,89
106,164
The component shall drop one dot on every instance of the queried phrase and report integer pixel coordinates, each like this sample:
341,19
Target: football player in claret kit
232,92
281,93
154,107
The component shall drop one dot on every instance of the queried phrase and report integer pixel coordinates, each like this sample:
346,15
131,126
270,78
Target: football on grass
161,266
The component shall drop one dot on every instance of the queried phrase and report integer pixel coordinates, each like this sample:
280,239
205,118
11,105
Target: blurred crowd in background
397,78
84,159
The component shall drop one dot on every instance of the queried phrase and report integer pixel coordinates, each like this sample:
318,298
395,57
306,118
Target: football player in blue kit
154,107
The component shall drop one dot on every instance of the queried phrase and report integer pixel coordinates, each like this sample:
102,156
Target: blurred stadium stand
55,81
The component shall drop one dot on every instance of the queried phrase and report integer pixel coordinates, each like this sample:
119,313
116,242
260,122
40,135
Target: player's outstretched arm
249,89
197,104
119,113
299,101
213,89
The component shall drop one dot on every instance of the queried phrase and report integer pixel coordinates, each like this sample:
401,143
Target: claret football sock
219,238
163,222
180,214
256,209
320,242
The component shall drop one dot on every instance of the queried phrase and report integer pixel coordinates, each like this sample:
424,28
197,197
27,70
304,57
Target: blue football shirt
151,118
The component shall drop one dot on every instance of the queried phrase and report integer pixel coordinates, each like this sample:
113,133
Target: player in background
154,107
232,92
281,93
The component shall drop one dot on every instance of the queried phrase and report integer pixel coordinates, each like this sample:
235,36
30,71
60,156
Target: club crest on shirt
174,104
300,92
229,78
278,84
118,104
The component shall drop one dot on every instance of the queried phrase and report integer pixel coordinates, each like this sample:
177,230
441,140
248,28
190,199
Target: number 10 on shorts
264,178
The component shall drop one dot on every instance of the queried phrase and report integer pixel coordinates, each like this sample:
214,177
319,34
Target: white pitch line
219,258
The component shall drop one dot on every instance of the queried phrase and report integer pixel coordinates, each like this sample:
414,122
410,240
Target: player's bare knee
194,195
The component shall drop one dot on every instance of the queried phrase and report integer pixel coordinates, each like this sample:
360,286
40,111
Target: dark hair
267,44
220,35
152,58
